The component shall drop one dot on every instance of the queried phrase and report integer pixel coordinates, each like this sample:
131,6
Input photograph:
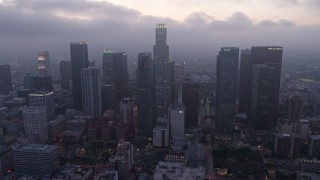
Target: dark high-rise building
226,92
38,83
265,85
5,79
244,82
44,64
294,107
115,72
145,93
65,74
190,98
163,70
79,60
107,96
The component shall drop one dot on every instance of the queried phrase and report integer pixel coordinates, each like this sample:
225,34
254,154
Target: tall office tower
107,95
265,85
226,92
65,74
79,60
163,70
295,107
45,99
244,82
191,98
35,123
126,111
5,79
145,94
177,116
44,64
179,72
91,91
36,159
115,72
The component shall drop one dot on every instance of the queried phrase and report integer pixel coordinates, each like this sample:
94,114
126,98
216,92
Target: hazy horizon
31,26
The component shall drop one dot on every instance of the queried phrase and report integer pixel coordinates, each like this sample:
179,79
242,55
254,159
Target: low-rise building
74,172
177,171
36,159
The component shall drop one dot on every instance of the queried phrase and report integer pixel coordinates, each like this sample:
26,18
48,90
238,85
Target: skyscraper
91,91
79,60
115,72
35,123
145,93
163,70
265,86
5,79
107,95
294,107
244,82
176,114
65,74
45,99
44,64
190,98
161,49
226,92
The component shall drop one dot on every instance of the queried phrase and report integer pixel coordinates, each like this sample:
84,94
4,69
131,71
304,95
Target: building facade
79,60
91,91
265,86
36,159
5,79
145,94
45,99
163,71
35,123
44,64
226,92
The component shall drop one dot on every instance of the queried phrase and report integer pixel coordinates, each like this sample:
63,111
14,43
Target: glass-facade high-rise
244,83
115,73
265,86
79,60
145,93
91,91
5,79
226,93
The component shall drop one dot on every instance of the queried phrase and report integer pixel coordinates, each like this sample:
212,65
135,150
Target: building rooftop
36,148
73,172
177,171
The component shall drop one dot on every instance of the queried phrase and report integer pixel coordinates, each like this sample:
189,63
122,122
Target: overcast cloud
35,25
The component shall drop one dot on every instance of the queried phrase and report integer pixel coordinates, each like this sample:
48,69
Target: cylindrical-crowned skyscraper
91,91
79,60
163,70
161,48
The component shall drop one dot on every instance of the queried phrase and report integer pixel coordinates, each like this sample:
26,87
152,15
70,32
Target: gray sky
194,26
